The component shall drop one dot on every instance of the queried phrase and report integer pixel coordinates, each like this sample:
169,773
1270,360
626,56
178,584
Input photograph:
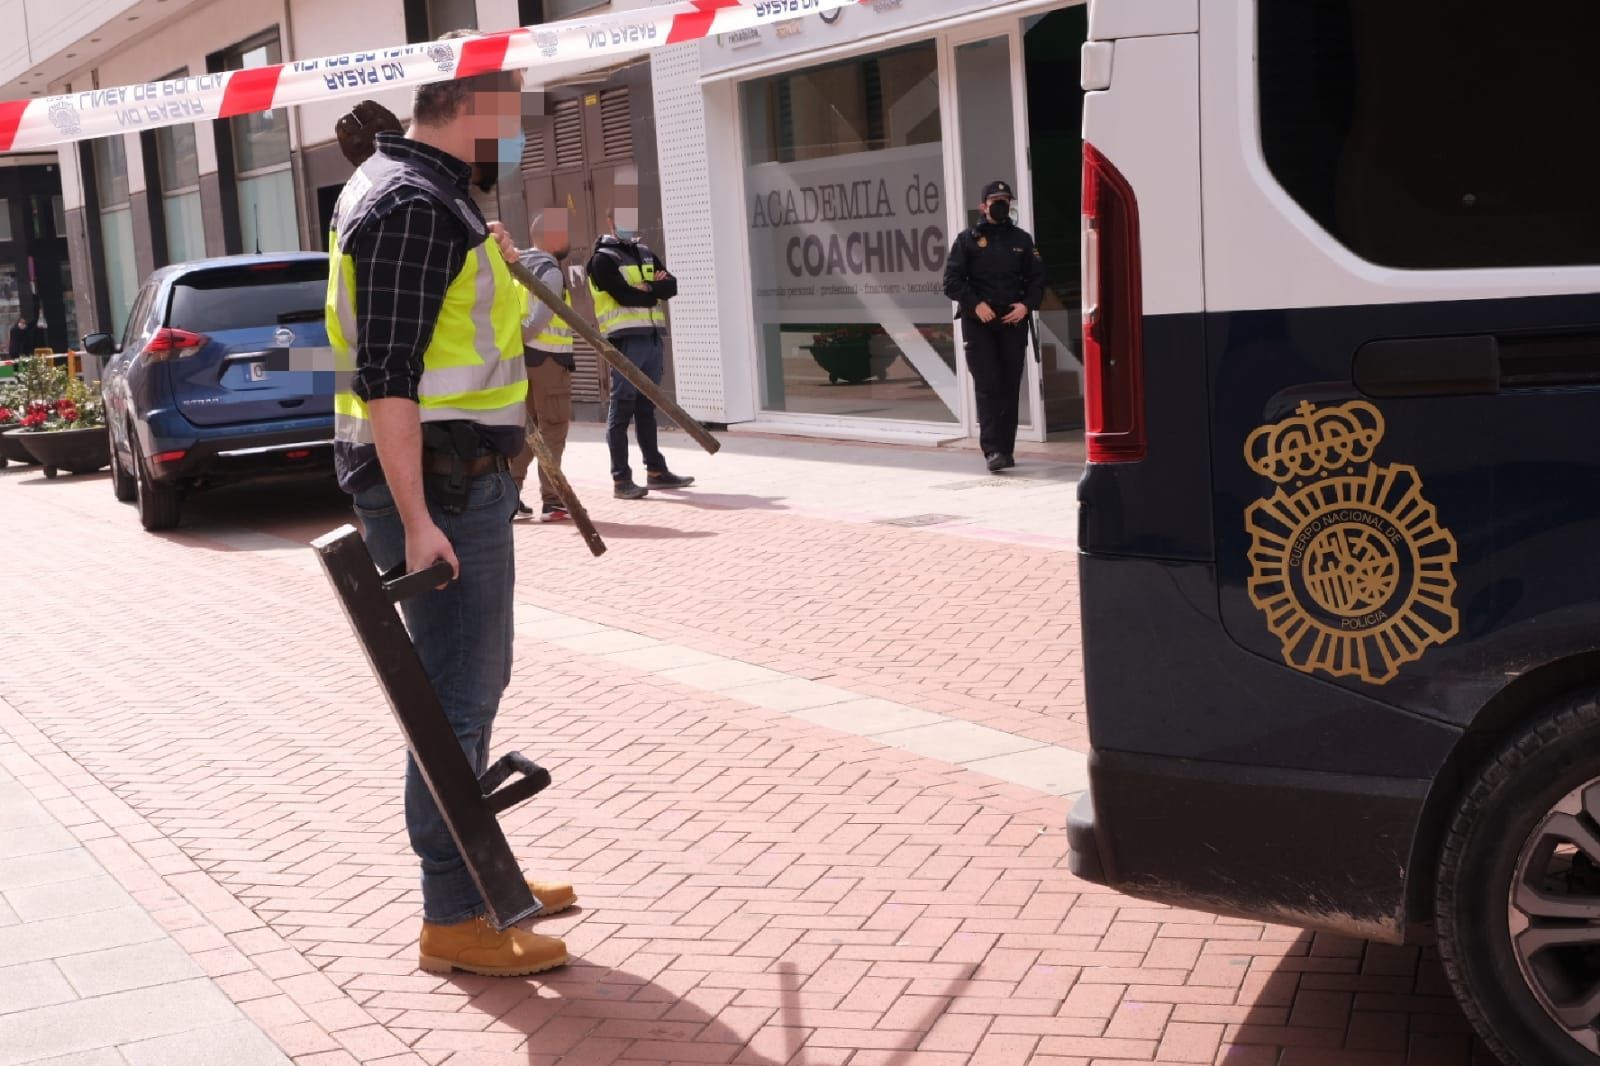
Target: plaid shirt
406,255
407,251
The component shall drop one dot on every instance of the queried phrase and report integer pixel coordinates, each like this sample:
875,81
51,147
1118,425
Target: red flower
67,410
39,406
5,415
35,418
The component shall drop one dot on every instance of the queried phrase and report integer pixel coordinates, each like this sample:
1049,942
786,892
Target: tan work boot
554,896
476,947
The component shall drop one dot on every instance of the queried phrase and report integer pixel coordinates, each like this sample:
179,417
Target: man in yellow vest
630,286
425,320
547,351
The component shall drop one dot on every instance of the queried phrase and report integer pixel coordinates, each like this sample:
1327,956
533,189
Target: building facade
80,228
814,175
804,181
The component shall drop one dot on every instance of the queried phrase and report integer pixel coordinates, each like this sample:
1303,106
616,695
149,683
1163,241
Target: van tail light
173,344
1113,315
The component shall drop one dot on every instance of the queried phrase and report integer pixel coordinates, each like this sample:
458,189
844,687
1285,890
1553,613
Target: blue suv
224,373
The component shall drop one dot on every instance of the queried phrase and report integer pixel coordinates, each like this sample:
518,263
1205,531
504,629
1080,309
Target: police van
1340,522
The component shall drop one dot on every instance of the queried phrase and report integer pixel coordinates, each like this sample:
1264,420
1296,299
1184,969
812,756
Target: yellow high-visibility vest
614,318
472,369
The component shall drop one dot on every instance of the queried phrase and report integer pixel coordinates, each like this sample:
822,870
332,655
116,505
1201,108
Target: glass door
990,139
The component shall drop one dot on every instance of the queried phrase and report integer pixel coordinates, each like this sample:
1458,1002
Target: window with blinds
616,125
569,134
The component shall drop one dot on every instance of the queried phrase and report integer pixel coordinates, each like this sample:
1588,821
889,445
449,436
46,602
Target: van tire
1510,800
158,503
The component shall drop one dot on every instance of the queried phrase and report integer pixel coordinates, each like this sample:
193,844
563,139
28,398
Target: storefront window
846,209
70,305
265,189
180,192
116,228
10,297
5,219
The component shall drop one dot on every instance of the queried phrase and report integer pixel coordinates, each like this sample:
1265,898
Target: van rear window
249,296
1431,135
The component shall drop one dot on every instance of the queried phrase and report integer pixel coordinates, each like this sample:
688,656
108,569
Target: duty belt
446,464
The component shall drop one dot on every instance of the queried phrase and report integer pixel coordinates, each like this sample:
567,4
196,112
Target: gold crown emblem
1315,441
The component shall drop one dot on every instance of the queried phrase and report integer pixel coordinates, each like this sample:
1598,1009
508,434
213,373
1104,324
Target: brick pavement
757,888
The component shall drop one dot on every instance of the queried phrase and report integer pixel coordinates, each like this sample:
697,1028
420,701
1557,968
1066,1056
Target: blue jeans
463,635
627,406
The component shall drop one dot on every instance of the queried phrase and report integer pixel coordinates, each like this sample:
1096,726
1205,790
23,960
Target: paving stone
722,675
58,938
99,1057
51,868
237,1043
791,694
33,984
661,657
869,717
1058,771
35,840
108,1021
957,742
135,966
601,642
86,895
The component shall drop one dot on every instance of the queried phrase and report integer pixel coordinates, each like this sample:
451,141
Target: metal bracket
468,803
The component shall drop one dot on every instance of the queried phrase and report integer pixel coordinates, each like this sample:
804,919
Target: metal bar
461,795
619,362
575,508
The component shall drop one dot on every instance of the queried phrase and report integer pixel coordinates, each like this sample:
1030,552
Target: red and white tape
80,116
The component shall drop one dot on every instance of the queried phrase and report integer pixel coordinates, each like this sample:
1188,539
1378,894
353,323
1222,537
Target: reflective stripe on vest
472,369
556,337
613,317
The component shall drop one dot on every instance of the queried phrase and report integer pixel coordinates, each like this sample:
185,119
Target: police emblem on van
1349,565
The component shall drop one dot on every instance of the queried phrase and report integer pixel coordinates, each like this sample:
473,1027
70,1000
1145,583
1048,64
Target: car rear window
247,297
1430,135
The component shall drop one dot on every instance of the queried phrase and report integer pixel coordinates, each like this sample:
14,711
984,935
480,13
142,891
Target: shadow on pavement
725,501
1337,1001
633,531
599,1013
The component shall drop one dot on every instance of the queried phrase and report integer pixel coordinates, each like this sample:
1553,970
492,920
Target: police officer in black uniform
995,275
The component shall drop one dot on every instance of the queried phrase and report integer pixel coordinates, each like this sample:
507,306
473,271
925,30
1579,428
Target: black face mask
1000,211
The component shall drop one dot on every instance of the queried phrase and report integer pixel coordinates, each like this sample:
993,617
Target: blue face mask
509,150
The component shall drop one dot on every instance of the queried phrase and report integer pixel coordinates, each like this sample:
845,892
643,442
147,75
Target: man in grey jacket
547,352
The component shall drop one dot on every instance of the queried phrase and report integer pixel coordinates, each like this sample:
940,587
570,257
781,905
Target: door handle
1429,366
1479,364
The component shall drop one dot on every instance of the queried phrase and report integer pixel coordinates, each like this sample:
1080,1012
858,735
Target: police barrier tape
80,116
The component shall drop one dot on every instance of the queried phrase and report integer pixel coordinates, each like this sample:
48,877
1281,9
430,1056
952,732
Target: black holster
456,443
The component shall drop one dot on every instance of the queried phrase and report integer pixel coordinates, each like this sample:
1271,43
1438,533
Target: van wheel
1518,901
158,503
123,484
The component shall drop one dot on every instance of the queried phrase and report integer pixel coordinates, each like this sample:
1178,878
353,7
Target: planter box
80,451
850,363
11,449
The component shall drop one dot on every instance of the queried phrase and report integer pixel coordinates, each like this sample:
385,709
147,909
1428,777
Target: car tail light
1113,315
173,344
168,457
299,453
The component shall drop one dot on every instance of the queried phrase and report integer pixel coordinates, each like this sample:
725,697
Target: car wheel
1518,900
122,483
158,503
50,472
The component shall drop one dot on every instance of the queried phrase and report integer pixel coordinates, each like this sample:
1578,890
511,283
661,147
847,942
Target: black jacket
605,270
994,264
24,341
